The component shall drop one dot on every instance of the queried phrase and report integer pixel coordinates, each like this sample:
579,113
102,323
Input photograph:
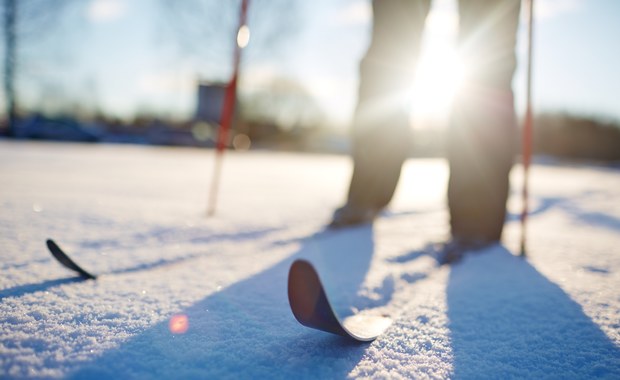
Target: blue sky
578,59
121,61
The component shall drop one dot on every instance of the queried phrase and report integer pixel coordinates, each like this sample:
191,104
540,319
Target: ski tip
304,291
311,307
66,261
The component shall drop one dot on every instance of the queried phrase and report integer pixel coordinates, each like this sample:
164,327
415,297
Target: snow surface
137,216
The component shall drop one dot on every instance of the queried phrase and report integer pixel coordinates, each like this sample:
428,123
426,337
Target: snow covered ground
136,215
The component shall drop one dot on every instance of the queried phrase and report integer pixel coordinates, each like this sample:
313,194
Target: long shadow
545,204
427,250
508,321
247,330
594,218
567,205
174,235
20,290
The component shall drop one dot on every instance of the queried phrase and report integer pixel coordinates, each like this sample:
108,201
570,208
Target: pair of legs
481,142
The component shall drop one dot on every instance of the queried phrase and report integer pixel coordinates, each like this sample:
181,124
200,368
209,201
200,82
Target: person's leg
482,134
381,120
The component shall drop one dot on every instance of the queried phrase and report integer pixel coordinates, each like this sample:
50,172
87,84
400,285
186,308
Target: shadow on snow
567,205
508,321
18,291
248,331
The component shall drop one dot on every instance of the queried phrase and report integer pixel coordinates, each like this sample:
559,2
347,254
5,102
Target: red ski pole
228,107
527,129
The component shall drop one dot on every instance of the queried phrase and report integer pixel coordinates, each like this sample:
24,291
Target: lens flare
243,36
438,78
241,142
178,324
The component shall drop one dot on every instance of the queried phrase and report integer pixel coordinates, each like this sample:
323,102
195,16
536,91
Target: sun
438,76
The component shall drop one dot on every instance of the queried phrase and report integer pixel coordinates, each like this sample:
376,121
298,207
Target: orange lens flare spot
179,324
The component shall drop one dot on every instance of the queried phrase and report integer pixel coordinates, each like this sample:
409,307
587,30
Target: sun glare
438,76
178,324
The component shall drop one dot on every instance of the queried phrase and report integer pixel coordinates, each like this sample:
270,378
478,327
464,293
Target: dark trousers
481,142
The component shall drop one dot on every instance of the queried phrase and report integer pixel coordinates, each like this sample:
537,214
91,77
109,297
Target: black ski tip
311,307
66,261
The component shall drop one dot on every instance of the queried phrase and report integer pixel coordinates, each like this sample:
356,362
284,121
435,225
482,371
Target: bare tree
284,102
24,21
204,29
10,9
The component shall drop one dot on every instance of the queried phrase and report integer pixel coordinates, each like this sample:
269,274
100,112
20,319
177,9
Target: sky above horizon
121,61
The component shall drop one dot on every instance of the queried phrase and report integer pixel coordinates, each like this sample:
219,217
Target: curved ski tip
66,261
311,307
304,291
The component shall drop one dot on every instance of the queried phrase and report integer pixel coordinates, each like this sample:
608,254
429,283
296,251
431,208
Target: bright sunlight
439,72
438,77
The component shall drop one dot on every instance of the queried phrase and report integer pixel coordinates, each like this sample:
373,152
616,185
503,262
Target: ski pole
527,130
228,108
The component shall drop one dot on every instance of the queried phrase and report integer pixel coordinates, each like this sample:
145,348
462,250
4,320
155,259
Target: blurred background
154,72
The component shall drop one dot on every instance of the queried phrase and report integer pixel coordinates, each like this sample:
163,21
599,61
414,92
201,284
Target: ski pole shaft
527,131
228,111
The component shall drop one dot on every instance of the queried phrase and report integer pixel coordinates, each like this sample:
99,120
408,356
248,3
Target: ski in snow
311,307
307,299
66,261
